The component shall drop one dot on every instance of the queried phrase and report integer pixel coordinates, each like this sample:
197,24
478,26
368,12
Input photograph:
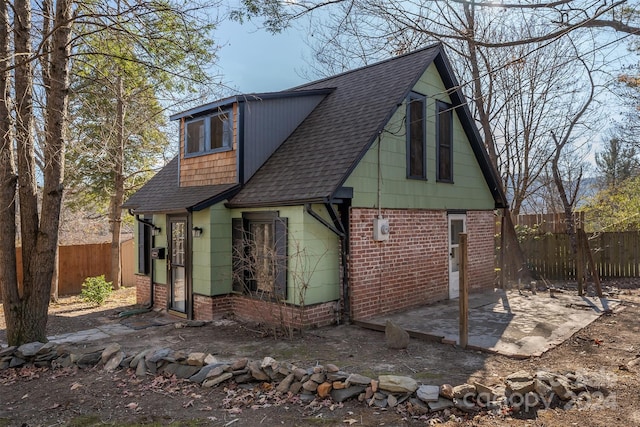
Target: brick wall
255,310
143,289
481,228
160,296
411,268
407,270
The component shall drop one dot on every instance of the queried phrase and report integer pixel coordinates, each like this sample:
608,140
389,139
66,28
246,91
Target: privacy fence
548,252
77,262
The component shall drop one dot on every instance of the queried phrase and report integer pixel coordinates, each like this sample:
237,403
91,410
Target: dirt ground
42,397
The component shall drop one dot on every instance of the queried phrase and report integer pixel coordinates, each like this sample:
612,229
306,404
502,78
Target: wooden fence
616,255
77,262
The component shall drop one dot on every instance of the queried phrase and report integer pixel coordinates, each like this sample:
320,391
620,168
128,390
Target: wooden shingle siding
210,169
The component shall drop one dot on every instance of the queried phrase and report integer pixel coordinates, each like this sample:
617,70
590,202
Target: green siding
313,266
469,189
160,265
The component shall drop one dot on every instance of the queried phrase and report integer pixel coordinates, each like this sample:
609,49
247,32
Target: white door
457,225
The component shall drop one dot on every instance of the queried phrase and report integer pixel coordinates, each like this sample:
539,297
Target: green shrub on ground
96,289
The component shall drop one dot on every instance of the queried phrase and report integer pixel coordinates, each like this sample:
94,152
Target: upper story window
416,131
444,141
208,134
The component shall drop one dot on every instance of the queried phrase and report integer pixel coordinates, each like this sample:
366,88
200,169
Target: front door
177,265
457,225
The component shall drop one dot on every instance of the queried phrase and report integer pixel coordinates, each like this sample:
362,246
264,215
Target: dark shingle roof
318,156
162,193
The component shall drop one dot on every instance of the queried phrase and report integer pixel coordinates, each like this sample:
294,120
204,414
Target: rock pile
520,391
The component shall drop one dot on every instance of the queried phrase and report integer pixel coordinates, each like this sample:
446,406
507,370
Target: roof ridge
392,58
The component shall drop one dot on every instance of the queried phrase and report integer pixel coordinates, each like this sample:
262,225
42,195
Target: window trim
414,96
240,234
444,108
207,123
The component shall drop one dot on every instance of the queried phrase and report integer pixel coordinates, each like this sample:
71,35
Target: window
260,254
444,138
144,248
208,134
416,162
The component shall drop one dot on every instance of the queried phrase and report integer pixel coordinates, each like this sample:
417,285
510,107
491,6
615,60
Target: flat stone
464,390
158,355
16,362
337,376
440,404
332,368
268,362
542,388
520,376
62,362
134,362
465,405
340,396
141,369
201,375
210,382
285,384
310,385
285,368
397,383
109,351
374,385
562,388
338,385
299,373
357,379
418,407
181,371
196,359
380,403
545,376
319,369
239,364
520,387
210,359
48,347
257,372
485,393
113,363
296,387
307,397
244,378
218,370
89,359
324,389
318,377
428,393
396,337
7,351
392,401
29,349
46,356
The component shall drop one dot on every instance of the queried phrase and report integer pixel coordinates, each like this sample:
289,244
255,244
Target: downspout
340,230
151,266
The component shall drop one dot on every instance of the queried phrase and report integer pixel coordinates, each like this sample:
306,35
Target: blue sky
253,60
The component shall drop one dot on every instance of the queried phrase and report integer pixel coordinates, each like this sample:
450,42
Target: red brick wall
255,310
481,229
143,289
407,270
207,307
160,296
411,268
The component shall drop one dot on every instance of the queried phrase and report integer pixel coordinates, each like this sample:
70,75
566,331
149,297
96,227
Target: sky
254,60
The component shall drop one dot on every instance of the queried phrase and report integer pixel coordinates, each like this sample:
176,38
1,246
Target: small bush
96,289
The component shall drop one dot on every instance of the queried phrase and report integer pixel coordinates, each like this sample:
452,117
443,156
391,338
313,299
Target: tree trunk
8,181
118,195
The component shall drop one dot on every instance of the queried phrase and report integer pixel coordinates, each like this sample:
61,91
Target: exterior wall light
155,231
197,231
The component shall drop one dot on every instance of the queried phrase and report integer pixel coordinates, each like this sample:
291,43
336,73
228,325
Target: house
341,198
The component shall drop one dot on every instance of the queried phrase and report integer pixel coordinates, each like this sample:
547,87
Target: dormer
227,141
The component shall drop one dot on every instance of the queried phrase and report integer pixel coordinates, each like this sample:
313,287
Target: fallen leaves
75,386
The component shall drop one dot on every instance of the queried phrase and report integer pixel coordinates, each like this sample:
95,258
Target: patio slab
508,322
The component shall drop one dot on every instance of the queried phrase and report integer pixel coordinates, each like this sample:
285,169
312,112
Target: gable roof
163,194
317,158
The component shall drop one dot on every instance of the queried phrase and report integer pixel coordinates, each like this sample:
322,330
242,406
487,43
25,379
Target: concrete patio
507,322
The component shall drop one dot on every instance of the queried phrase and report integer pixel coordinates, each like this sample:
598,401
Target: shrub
96,289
